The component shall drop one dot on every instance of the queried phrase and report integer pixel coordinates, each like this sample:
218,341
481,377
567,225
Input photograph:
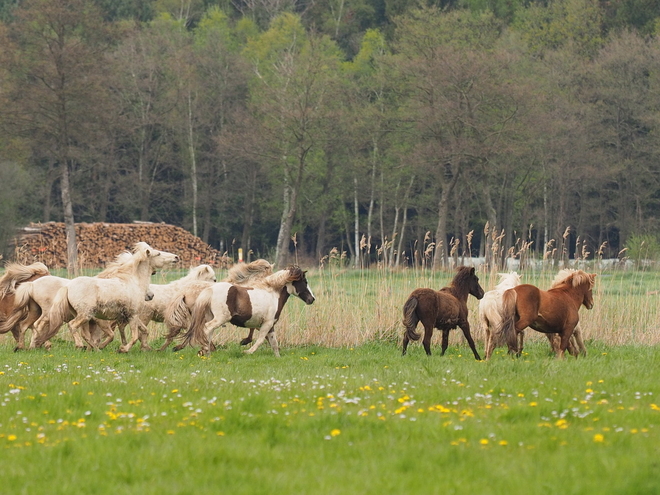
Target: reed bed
356,306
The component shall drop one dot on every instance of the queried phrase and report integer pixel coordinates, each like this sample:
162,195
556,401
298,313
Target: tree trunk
440,256
193,165
69,225
356,224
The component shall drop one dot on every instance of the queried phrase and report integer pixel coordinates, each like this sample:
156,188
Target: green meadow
341,411
329,420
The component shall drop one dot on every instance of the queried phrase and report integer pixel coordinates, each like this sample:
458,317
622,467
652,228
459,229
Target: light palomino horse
16,274
32,302
163,295
257,307
114,294
178,312
551,311
489,310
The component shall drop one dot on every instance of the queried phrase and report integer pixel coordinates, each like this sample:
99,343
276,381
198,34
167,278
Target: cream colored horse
178,312
115,294
489,310
164,294
32,301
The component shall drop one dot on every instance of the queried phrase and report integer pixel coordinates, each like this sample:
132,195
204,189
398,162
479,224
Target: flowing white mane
15,273
508,281
572,276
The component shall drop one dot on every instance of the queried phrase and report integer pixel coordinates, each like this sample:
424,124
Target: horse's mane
279,279
246,272
508,280
463,275
125,263
16,273
573,277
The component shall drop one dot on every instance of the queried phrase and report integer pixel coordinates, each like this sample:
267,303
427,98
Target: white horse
32,301
164,294
114,294
179,311
247,307
489,310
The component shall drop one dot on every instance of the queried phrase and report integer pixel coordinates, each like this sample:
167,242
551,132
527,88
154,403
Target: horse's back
439,307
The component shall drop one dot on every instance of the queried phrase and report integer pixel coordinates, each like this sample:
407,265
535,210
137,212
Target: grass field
341,411
322,420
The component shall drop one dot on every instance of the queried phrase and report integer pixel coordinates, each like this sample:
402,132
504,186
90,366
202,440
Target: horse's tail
177,314
195,334
20,310
507,326
60,312
410,318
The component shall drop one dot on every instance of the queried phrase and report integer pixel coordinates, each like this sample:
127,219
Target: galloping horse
16,274
114,294
248,307
443,309
178,312
551,311
154,309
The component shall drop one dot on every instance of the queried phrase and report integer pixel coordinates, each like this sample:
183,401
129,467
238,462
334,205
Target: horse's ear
472,271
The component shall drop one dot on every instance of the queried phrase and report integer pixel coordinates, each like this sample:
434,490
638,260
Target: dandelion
533,404
483,441
335,432
170,432
503,443
599,438
11,438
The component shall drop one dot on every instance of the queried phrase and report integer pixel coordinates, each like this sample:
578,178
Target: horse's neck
575,294
143,274
460,294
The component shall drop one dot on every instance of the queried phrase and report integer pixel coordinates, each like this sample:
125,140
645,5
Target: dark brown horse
443,309
551,311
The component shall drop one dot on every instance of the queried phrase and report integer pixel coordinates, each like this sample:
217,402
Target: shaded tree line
392,131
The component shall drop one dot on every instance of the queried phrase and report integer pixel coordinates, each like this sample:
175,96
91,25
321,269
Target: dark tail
195,334
410,318
507,326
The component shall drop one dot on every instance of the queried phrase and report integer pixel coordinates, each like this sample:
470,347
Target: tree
57,80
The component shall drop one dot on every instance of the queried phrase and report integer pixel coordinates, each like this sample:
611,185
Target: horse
32,301
247,307
552,311
114,294
177,313
489,319
163,294
489,305
443,309
16,274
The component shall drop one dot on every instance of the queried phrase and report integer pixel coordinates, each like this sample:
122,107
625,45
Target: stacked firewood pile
99,243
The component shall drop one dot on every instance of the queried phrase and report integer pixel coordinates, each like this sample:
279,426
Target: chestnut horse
551,311
15,275
443,309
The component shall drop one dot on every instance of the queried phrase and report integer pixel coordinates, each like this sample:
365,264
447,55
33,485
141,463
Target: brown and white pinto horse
551,311
247,307
443,309
15,275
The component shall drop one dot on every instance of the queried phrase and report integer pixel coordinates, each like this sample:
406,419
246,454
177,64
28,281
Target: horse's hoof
246,341
122,350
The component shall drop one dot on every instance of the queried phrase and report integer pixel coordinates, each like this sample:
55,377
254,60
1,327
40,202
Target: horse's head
473,285
298,285
203,273
157,259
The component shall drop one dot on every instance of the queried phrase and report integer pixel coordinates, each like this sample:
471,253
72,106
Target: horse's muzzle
148,296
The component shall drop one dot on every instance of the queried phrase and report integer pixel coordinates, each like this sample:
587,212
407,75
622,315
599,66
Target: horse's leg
272,340
109,331
39,326
577,334
261,336
77,339
86,333
445,341
172,333
22,329
490,338
248,339
144,336
74,328
521,342
136,326
468,336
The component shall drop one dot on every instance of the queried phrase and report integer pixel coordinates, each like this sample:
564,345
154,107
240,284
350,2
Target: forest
390,132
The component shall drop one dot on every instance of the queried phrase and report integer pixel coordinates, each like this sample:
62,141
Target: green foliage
643,248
